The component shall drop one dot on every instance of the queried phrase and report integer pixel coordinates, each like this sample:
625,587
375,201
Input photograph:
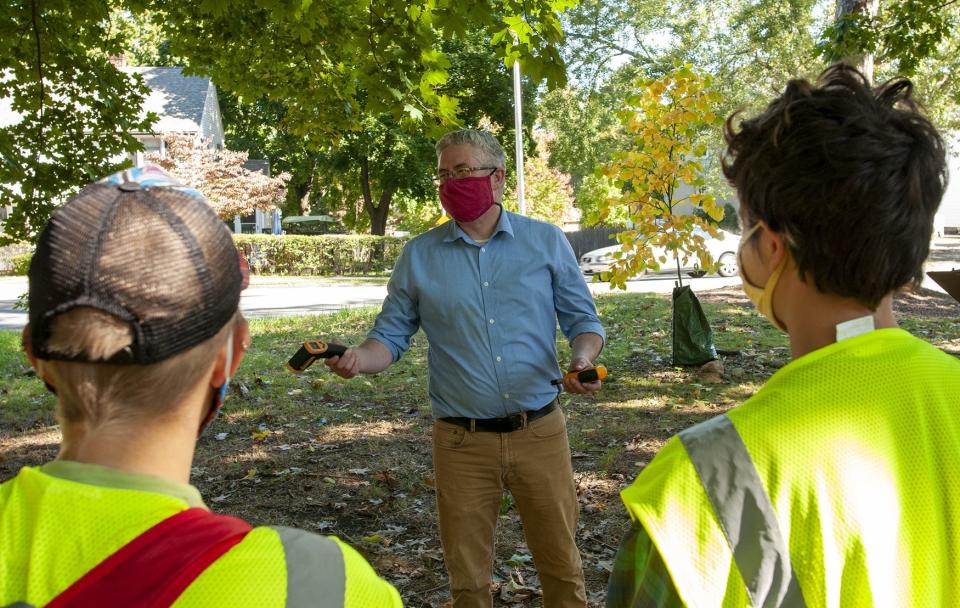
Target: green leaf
413,112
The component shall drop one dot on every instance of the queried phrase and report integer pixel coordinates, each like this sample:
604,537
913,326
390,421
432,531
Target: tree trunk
870,8
305,190
378,215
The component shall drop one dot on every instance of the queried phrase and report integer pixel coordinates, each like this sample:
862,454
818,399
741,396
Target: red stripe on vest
153,569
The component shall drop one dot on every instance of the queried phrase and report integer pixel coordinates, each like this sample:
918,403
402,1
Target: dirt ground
357,464
918,304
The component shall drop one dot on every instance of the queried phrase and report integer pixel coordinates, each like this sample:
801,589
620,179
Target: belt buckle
516,421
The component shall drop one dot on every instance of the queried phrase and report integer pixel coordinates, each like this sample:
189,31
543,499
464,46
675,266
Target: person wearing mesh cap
835,484
134,325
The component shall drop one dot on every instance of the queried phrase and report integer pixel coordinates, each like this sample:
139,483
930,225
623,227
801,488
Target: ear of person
761,253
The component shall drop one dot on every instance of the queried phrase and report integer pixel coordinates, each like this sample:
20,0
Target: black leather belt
506,424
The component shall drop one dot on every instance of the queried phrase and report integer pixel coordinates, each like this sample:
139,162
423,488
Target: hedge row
325,255
15,259
20,264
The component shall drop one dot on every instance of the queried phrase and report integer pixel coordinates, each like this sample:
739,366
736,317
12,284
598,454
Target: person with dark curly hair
835,484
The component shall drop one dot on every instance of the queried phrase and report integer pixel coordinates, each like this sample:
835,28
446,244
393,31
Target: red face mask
468,198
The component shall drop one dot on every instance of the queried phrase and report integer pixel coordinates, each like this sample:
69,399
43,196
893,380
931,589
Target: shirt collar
455,232
108,477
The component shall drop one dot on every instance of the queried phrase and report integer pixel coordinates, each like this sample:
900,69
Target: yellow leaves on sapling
658,171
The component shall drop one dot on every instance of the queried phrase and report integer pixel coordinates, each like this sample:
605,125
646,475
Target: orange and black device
311,351
591,374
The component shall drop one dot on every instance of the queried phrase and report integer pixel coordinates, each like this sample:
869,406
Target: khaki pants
471,471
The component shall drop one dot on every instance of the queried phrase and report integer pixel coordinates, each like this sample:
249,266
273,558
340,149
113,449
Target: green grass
24,401
352,457
637,353
275,340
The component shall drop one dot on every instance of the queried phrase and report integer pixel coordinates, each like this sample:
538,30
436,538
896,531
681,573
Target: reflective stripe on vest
316,574
744,512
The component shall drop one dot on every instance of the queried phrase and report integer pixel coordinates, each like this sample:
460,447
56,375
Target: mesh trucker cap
143,248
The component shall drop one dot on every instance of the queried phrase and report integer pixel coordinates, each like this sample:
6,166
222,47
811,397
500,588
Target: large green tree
902,34
359,173
585,132
915,38
331,65
336,63
750,48
66,113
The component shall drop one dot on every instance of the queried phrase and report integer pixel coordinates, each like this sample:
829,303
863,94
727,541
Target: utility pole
518,127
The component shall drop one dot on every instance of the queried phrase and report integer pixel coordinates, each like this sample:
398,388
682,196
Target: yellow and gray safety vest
61,520
837,484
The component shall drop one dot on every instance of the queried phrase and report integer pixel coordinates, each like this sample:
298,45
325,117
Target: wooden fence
583,241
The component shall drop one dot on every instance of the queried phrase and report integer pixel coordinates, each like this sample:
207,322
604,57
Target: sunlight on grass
363,430
647,403
256,453
30,441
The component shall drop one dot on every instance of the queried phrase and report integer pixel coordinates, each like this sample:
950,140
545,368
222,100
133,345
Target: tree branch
609,45
932,10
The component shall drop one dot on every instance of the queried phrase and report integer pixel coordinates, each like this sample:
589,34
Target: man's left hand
572,385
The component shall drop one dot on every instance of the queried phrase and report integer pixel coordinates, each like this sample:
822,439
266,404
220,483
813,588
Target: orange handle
590,374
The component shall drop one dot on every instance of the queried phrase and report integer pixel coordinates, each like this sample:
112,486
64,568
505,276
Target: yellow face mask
762,297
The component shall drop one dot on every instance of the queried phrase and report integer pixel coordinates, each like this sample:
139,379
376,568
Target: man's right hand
346,365
371,357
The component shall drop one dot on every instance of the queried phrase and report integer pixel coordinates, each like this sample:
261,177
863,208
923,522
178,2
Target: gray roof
177,99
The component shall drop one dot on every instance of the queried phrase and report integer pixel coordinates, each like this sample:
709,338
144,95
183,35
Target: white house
947,220
189,105
184,104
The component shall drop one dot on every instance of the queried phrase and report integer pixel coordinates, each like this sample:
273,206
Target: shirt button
486,284
491,321
506,395
498,359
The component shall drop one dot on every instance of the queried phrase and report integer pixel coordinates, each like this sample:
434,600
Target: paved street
281,296
277,297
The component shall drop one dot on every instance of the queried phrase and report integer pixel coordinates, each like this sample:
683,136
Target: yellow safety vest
54,529
836,484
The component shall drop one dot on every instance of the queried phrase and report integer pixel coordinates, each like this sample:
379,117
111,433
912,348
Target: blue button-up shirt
490,313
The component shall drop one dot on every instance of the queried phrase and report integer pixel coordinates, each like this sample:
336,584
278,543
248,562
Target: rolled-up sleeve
576,311
399,317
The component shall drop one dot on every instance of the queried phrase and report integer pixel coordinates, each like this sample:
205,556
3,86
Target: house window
248,223
151,147
256,222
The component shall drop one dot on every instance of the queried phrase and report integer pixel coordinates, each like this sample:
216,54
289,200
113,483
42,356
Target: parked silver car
723,248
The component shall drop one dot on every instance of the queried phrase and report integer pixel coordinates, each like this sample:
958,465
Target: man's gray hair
482,140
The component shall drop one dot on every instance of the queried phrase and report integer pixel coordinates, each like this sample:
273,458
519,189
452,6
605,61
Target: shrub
325,255
10,252
20,264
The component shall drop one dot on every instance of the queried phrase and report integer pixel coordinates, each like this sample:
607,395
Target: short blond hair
95,394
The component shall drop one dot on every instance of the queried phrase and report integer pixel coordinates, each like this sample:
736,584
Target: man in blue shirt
488,290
